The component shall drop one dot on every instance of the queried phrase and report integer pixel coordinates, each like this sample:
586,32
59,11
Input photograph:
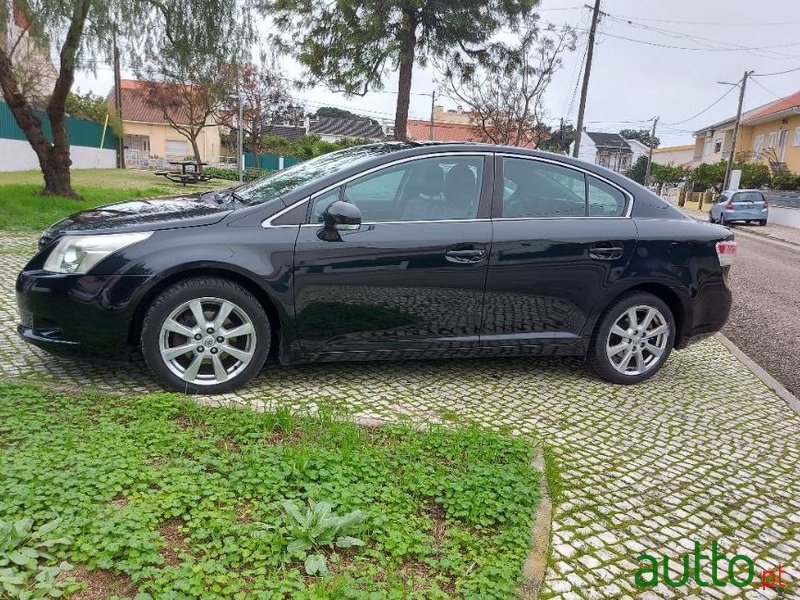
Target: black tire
722,220
711,217
762,222
192,289
597,357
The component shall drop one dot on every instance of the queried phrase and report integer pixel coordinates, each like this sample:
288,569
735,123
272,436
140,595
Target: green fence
269,162
80,131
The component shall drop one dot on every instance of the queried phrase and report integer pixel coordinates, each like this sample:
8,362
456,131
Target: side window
605,200
321,204
539,189
437,188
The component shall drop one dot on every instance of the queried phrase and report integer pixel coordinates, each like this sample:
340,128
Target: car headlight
77,254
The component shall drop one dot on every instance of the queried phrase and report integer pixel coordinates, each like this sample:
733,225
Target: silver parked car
739,205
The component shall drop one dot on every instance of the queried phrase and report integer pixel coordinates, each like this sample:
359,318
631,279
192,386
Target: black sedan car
394,250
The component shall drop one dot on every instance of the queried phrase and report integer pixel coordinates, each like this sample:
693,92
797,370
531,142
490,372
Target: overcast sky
676,52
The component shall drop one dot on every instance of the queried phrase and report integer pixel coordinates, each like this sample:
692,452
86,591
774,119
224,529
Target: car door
561,239
411,277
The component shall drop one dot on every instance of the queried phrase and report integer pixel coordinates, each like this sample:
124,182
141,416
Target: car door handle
465,256
606,252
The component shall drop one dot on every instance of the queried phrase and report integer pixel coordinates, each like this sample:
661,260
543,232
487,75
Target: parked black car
394,250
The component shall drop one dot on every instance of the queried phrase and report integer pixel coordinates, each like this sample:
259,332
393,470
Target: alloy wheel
637,340
207,341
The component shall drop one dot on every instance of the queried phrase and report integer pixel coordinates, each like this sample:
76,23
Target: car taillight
766,205
726,253
729,206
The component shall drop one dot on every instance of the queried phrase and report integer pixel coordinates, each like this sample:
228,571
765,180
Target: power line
777,73
703,41
705,110
767,90
714,23
742,49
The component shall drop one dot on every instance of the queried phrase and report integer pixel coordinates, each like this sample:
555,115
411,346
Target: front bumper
78,315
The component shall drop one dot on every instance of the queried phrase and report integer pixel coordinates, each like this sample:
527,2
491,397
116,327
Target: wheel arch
666,294
220,271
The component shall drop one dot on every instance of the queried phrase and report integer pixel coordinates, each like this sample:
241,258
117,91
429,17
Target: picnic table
185,171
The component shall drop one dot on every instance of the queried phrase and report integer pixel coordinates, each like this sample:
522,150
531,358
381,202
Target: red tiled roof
420,130
778,106
135,107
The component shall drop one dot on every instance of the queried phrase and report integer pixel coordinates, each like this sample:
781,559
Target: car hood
142,215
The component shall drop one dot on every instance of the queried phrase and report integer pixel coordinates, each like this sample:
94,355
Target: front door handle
471,255
606,252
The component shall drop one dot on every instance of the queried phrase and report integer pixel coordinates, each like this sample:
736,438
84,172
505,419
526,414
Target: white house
610,150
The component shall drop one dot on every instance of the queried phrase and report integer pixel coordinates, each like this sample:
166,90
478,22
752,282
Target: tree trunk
408,46
196,150
54,159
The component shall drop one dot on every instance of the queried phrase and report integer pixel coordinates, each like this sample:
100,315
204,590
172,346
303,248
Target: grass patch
552,473
159,496
22,208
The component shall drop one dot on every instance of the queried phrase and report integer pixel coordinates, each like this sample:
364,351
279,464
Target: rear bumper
746,215
77,315
709,313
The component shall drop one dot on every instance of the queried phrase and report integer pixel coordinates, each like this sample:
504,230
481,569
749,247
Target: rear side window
605,200
537,189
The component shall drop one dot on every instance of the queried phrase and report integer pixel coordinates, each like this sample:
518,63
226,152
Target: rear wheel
633,339
710,217
205,335
762,222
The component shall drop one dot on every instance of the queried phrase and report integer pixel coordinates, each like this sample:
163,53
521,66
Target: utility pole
118,101
586,72
650,154
742,87
433,109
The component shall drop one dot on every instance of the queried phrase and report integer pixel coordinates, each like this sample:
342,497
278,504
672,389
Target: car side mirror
342,216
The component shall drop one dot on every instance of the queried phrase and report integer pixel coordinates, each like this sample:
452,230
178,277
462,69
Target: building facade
148,136
769,133
610,150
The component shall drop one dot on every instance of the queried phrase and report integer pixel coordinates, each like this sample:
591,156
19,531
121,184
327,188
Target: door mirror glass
342,216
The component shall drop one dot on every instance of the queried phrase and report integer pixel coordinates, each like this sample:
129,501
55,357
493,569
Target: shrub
785,180
233,174
754,175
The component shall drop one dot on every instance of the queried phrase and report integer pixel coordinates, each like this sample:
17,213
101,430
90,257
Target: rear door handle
465,256
605,252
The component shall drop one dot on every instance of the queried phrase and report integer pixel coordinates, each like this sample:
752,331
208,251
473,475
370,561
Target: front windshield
282,182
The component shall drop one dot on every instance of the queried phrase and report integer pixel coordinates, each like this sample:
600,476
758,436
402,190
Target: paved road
765,320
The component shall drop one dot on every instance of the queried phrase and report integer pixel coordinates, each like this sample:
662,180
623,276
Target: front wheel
205,336
633,339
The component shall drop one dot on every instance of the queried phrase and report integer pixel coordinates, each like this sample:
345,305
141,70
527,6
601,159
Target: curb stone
759,372
535,566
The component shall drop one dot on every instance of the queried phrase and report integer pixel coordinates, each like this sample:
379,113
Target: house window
758,146
772,140
717,146
796,140
177,148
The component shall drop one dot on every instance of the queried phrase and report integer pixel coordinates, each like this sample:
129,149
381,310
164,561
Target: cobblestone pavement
702,452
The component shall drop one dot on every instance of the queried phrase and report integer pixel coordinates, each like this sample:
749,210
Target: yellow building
769,133
149,137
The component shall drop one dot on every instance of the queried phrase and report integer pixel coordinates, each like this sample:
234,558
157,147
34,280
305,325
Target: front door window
430,189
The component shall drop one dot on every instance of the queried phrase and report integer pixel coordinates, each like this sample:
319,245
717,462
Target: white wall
588,151
780,215
17,155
